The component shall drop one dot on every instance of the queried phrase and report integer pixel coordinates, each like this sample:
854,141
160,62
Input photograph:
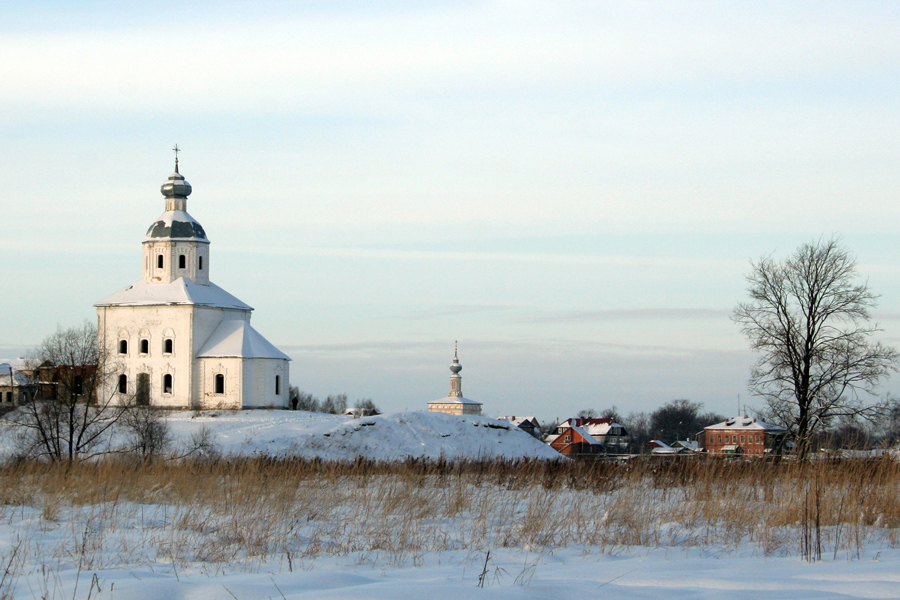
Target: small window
757,440
182,261
145,346
742,439
200,263
9,397
159,261
167,346
142,394
278,385
167,383
78,385
720,439
123,346
123,384
220,384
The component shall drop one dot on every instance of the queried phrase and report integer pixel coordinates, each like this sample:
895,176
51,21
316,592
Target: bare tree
74,422
808,317
680,420
334,404
366,407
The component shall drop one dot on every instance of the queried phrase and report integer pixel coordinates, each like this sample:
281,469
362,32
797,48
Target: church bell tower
176,245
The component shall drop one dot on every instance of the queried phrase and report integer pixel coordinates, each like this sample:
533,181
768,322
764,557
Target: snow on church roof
236,338
176,225
454,400
180,291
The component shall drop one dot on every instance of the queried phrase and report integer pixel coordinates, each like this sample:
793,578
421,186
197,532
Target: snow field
191,529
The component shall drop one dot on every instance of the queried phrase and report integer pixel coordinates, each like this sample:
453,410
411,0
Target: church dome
176,186
176,224
455,368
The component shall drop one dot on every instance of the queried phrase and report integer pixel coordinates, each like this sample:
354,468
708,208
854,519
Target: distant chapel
455,403
177,339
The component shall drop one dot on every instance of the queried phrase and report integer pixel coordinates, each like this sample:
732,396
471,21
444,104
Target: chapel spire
456,378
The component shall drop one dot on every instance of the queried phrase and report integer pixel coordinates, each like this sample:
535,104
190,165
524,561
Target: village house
746,436
574,441
613,436
16,387
528,424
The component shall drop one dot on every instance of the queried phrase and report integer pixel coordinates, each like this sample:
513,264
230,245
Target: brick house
575,441
610,434
747,436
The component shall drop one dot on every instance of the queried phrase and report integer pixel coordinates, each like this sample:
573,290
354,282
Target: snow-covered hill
383,437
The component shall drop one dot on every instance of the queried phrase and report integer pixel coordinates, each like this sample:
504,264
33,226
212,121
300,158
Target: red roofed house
574,441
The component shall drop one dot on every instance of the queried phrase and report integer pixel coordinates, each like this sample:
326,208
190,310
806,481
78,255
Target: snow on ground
382,437
49,553
336,437
569,572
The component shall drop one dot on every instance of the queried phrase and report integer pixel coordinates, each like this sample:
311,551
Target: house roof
180,291
518,421
237,339
10,376
747,424
586,437
596,426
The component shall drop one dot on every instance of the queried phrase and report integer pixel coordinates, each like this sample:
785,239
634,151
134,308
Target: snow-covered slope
384,437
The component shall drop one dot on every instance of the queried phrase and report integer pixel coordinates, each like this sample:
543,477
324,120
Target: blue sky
572,190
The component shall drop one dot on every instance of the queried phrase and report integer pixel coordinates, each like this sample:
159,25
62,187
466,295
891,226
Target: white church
180,341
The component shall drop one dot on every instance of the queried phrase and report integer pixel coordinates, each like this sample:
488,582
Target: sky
572,190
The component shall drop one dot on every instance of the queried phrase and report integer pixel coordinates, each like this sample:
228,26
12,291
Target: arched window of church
200,263
220,384
182,261
123,384
167,346
123,346
145,346
278,385
159,261
167,383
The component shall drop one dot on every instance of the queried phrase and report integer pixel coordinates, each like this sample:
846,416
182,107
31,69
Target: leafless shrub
148,431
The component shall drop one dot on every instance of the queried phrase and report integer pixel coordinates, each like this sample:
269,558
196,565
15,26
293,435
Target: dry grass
255,510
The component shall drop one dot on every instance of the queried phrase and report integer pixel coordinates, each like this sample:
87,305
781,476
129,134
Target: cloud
649,314
295,60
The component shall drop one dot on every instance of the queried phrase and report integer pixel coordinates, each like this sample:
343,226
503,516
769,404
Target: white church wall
155,324
232,383
259,383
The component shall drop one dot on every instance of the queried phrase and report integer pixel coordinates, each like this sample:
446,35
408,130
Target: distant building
574,441
16,387
612,435
744,435
455,403
529,424
178,340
